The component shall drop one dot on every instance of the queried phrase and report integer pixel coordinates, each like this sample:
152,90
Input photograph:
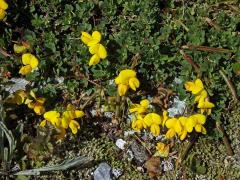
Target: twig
207,49
93,96
4,53
229,84
211,23
225,139
143,144
190,60
186,149
118,109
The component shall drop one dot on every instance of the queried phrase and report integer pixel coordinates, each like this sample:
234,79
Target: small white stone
19,84
177,108
108,114
127,133
120,143
117,172
130,154
177,80
60,80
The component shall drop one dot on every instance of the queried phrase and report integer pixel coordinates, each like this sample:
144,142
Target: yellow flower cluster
97,50
144,120
3,8
67,120
126,78
180,126
183,125
201,98
31,100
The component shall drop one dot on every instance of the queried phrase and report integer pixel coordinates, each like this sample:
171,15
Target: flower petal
183,135
95,59
25,70
3,5
65,122
102,52
43,123
170,122
29,59
86,38
170,133
198,86
79,113
200,118
18,48
189,85
155,129
134,83
97,36
74,126
122,89
152,118
198,128
94,49
191,122
145,103
39,109
2,14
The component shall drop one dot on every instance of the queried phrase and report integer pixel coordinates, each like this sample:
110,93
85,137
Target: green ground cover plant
67,64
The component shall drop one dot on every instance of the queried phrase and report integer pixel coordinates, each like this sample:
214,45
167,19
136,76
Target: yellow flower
19,48
122,89
2,14
152,118
138,124
184,124
90,40
195,87
198,120
162,150
165,117
140,108
18,97
69,116
153,121
30,62
155,129
53,117
206,106
174,126
3,7
125,79
35,103
201,97
95,48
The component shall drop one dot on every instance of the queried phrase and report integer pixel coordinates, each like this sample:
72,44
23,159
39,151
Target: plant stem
229,84
190,60
187,148
225,139
118,109
207,49
93,96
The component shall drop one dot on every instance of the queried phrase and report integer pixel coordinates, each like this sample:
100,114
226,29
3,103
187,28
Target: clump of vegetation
78,76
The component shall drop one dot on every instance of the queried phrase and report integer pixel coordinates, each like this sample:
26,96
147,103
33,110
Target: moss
210,152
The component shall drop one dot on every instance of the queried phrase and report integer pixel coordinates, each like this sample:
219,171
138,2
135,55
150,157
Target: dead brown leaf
153,167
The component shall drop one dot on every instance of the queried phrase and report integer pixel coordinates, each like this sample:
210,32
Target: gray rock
139,152
103,172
